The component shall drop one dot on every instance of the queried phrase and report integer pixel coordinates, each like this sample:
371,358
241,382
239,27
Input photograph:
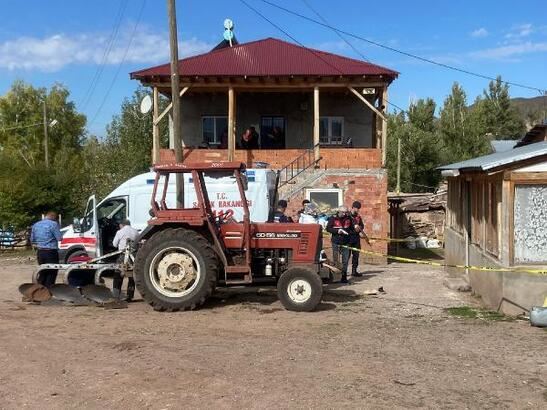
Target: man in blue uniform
45,236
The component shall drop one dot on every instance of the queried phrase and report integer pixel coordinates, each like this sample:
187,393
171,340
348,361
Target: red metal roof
268,57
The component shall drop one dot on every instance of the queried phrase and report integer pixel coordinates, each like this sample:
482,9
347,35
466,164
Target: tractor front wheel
299,289
176,269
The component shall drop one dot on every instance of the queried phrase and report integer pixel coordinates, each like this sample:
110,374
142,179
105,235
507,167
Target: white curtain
531,223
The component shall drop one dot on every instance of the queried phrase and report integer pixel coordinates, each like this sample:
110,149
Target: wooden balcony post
231,124
384,126
155,129
316,123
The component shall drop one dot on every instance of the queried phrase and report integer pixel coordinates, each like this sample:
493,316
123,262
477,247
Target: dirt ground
400,349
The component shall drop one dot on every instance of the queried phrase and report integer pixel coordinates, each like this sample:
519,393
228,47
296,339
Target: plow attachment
83,283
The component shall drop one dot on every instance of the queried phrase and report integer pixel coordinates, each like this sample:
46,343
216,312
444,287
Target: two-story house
318,118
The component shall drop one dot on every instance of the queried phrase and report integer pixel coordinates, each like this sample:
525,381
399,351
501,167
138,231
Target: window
215,131
331,130
325,198
114,209
530,222
272,132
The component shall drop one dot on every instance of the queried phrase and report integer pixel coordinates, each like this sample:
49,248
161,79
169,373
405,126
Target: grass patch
468,312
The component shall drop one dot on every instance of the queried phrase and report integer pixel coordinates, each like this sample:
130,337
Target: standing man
45,236
340,227
125,234
356,233
279,215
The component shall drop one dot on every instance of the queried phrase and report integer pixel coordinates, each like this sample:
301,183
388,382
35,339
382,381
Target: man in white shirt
126,233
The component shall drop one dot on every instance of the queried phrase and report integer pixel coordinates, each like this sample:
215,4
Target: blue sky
43,42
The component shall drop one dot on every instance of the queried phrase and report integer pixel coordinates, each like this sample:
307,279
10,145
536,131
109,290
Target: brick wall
371,190
340,158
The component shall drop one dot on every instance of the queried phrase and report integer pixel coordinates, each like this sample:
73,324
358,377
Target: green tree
420,147
27,187
462,135
495,113
127,148
21,121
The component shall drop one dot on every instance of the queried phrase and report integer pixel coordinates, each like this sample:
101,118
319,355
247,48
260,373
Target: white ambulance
92,235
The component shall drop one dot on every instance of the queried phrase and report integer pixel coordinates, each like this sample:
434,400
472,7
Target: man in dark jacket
340,227
357,232
279,215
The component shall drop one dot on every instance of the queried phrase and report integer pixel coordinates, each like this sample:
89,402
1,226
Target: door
89,231
109,214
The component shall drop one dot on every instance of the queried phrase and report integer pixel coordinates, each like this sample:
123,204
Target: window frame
328,139
272,117
326,190
217,138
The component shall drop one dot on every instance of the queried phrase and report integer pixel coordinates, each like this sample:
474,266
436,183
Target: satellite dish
146,104
228,24
228,35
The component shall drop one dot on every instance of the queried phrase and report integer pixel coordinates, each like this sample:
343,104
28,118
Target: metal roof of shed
499,159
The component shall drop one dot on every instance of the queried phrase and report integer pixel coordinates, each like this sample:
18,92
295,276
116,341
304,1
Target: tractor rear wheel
300,289
176,269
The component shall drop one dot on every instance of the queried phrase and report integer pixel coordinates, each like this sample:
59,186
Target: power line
405,53
109,45
120,64
302,45
308,5
290,36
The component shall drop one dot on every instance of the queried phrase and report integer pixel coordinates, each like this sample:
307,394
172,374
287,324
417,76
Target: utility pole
398,188
175,99
46,147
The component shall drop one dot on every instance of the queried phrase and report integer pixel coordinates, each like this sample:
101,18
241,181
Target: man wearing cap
340,226
279,215
355,237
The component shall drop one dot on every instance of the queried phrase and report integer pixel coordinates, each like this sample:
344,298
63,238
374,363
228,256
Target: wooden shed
497,217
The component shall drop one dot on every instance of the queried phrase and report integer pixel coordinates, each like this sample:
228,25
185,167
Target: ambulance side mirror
76,226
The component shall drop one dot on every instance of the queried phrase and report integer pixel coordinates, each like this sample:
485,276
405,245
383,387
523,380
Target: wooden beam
530,177
316,117
270,84
231,124
168,108
367,102
155,128
384,128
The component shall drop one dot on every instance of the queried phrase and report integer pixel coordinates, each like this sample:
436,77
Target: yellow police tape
540,272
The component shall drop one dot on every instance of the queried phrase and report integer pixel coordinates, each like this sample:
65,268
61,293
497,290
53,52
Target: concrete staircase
305,179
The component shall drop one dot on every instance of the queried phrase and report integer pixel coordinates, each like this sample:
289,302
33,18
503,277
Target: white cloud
508,52
60,50
520,31
480,32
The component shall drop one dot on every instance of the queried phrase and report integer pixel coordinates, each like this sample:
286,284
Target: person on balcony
249,139
275,139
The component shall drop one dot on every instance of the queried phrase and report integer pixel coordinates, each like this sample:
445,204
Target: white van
93,234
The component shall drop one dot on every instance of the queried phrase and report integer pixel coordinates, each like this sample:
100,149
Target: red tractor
188,251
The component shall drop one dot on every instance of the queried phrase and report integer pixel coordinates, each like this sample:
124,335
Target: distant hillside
533,110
